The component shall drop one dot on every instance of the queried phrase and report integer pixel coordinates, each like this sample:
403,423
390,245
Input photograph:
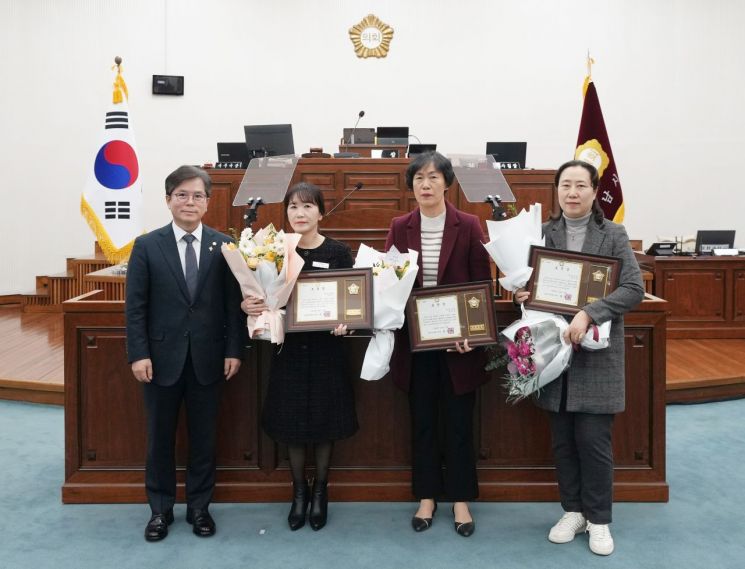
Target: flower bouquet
509,245
394,274
537,352
266,265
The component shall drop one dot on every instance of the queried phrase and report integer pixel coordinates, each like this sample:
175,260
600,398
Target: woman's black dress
310,396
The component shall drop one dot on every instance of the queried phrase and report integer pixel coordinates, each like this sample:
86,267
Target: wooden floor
31,356
705,370
32,362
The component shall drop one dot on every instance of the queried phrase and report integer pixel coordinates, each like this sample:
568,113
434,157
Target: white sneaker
601,541
570,524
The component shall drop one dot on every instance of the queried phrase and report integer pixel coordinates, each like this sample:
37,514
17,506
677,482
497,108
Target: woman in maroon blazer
441,384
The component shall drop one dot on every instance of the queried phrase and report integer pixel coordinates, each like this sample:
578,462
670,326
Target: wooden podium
104,415
105,424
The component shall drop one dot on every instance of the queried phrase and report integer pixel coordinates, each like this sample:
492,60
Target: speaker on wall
168,84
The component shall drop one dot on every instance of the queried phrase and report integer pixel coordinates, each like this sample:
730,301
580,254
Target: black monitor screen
269,139
707,241
508,151
232,152
393,134
421,148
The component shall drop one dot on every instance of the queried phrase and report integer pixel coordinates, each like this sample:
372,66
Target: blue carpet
701,527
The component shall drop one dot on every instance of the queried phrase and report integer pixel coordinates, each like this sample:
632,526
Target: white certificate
439,317
558,281
316,301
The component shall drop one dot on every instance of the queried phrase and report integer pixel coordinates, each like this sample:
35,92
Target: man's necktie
192,271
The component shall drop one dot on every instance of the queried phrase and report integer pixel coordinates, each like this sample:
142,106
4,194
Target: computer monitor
361,135
508,151
269,139
662,249
393,135
708,240
232,152
420,148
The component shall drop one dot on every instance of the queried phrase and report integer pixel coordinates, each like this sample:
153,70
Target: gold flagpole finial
588,77
120,87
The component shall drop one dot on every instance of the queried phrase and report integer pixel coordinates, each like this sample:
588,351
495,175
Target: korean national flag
112,200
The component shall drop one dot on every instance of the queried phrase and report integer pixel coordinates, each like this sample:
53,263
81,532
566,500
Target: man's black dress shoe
157,527
204,525
422,524
299,505
319,506
465,529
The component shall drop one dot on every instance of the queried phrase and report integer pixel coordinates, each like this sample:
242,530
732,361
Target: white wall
669,75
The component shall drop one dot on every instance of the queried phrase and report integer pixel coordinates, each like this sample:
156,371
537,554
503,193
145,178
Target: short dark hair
441,164
183,173
306,193
597,211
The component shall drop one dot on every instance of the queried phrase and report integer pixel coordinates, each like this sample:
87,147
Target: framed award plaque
564,281
439,316
321,300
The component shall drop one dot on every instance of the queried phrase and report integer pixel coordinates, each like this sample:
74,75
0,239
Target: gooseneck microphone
351,136
357,186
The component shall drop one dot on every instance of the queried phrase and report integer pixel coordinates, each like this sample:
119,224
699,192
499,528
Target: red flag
593,146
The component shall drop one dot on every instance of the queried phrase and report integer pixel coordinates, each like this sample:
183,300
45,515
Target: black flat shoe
423,524
465,529
157,527
319,505
204,525
299,505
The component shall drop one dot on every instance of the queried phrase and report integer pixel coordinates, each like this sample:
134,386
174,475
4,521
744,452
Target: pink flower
525,349
512,350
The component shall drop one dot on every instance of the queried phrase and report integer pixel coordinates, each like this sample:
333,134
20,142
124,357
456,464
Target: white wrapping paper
509,245
390,297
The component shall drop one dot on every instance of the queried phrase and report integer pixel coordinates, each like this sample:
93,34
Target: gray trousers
583,453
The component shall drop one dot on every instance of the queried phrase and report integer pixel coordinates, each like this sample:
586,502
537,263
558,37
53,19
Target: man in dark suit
184,338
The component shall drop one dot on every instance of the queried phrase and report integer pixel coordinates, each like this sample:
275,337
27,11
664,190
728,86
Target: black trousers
162,405
583,452
442,428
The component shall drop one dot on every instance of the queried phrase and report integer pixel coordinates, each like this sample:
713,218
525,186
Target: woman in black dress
309,400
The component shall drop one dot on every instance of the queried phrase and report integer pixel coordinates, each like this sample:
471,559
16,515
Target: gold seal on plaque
474,302
354,288
371,37
598,276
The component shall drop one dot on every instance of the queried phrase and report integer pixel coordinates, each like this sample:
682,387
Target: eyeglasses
184,197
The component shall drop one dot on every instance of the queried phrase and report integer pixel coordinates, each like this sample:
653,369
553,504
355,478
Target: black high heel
465,529
423,524
319,506
299,505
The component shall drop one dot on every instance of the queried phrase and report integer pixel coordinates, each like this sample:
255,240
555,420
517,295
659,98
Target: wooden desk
366,150
105,424
110,280
706,294
365,215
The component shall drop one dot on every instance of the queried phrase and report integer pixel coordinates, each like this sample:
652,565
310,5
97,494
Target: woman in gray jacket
583,402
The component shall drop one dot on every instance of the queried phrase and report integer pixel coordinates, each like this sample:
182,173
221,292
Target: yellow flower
270,256
252,263
231,246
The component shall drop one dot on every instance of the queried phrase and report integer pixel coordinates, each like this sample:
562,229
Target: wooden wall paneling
738,308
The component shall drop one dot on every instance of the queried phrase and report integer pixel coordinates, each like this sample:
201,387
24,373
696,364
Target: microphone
357,186
351,136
